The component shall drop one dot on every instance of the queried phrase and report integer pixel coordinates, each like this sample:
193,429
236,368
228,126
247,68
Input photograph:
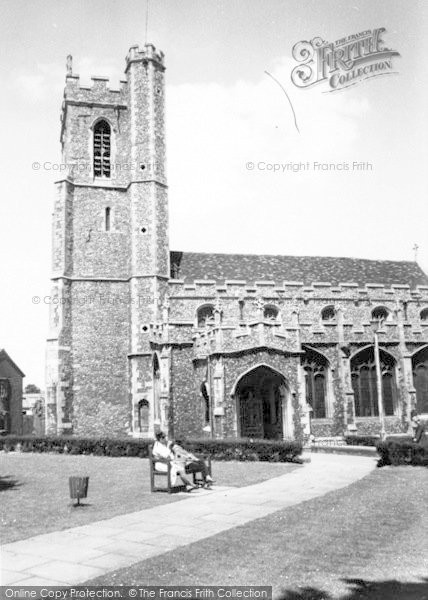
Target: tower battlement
148,52
99,92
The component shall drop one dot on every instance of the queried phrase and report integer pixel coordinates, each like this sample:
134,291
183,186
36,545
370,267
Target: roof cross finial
415,250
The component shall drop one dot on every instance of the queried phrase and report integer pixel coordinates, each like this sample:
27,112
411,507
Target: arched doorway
260,395
420,379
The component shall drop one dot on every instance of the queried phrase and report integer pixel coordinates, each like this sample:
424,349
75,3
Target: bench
169,487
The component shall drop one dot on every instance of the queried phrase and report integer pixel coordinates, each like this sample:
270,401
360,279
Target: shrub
361,440
402,452
225,449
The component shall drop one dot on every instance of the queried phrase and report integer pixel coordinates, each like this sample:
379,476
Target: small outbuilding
11,378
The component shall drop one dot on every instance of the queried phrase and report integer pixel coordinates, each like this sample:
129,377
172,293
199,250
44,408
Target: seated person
419,430
161,449
190,462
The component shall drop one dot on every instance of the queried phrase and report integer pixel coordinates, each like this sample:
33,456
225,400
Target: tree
31,389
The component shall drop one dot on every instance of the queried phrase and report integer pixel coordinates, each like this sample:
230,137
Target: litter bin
78,487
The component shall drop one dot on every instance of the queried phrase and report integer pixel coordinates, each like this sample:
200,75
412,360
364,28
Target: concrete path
72,556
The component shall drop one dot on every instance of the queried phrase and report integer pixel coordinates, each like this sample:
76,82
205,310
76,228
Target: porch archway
261,398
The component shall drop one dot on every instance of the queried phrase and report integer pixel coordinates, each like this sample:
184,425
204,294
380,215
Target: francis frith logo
344,62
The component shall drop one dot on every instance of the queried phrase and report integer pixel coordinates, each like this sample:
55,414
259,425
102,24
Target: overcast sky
223,111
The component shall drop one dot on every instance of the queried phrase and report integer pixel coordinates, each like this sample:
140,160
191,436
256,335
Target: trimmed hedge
402,452
230,449
246,449
77,445
361,440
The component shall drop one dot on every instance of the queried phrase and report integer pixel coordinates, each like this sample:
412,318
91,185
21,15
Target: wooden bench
169,487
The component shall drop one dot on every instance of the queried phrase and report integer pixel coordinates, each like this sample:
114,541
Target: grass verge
34,494
337,545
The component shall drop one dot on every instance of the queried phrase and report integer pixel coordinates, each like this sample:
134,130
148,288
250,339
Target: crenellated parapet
297,289
145,54
99,93
354,333
355,302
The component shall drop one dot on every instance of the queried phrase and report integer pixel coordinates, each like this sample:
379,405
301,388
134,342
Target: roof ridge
383,260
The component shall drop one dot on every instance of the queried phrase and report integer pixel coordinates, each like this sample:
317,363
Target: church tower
110,256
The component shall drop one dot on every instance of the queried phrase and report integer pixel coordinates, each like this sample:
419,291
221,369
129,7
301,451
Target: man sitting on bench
161,449
190,462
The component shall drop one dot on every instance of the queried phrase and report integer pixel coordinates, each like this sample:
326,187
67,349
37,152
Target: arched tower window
205,315
364,384
316,367
328,313
270,313
102,149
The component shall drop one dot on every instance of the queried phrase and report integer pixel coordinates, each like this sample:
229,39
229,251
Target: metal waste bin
78,487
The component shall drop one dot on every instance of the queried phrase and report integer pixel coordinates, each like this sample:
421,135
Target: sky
223,113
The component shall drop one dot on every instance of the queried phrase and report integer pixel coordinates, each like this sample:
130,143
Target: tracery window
316,368
420,380
102,149
364,383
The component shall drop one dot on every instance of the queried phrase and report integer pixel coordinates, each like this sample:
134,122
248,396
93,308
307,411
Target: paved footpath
72,556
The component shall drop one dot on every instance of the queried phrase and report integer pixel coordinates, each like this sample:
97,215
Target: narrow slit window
102,149
108,218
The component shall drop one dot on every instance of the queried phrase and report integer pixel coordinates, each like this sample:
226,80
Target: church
143,338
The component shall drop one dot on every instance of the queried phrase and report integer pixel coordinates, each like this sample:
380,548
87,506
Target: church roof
307,269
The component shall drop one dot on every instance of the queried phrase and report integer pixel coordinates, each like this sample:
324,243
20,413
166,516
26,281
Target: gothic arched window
102,149
205,315
316,368
328,313
420,380
364,383
270,313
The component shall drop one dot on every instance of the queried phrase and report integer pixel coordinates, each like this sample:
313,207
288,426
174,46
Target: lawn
34,494
375,530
